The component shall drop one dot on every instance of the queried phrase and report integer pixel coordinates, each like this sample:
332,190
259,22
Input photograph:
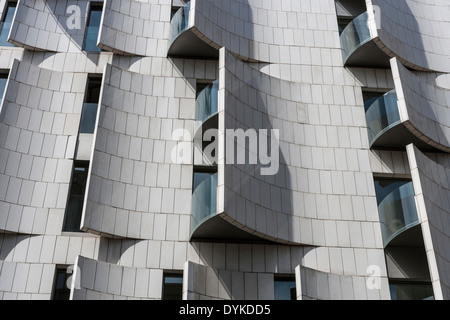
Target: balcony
358,49
381,115
183,42
90,42
397,212
385,127
206,105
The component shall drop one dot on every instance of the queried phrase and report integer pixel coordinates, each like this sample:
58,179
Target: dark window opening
61,291
93,89
343,22
370,96
172,286
410,290
74,207
90,106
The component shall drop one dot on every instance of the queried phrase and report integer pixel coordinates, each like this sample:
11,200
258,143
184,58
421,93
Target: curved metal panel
431,178
415,32
39,122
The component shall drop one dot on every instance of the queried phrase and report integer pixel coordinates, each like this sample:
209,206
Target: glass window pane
173,287
411,291
92,29
3,80
5,26
199,177
10,12
61,291
88,117
384,186
74,209
285,288
93,90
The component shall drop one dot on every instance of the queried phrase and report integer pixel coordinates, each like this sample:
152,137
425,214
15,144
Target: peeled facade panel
136,185
128,26
53,25
415,32
39,124
318,285
423,105
207,283
432,190
98,280
281,68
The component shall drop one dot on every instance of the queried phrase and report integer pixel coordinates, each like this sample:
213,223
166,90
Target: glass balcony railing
397,212
179,22
90,41
355,35
207,102
88,117
411,291
204,201
381,115
4,32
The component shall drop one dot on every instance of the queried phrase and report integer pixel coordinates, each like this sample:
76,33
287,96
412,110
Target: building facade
225,149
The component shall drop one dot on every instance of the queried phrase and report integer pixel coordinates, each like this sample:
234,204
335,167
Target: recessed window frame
60,291
178,283
90,106
285,278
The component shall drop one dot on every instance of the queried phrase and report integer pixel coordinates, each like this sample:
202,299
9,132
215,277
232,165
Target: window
172,286
411,290
370,96
284,286
74,207
60,289
90,106
92,28
3,80
200,176
7,19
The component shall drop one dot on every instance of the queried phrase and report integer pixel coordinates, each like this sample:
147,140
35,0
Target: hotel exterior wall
46,26
327,144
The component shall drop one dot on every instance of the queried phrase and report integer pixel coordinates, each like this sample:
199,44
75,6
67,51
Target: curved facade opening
182,40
